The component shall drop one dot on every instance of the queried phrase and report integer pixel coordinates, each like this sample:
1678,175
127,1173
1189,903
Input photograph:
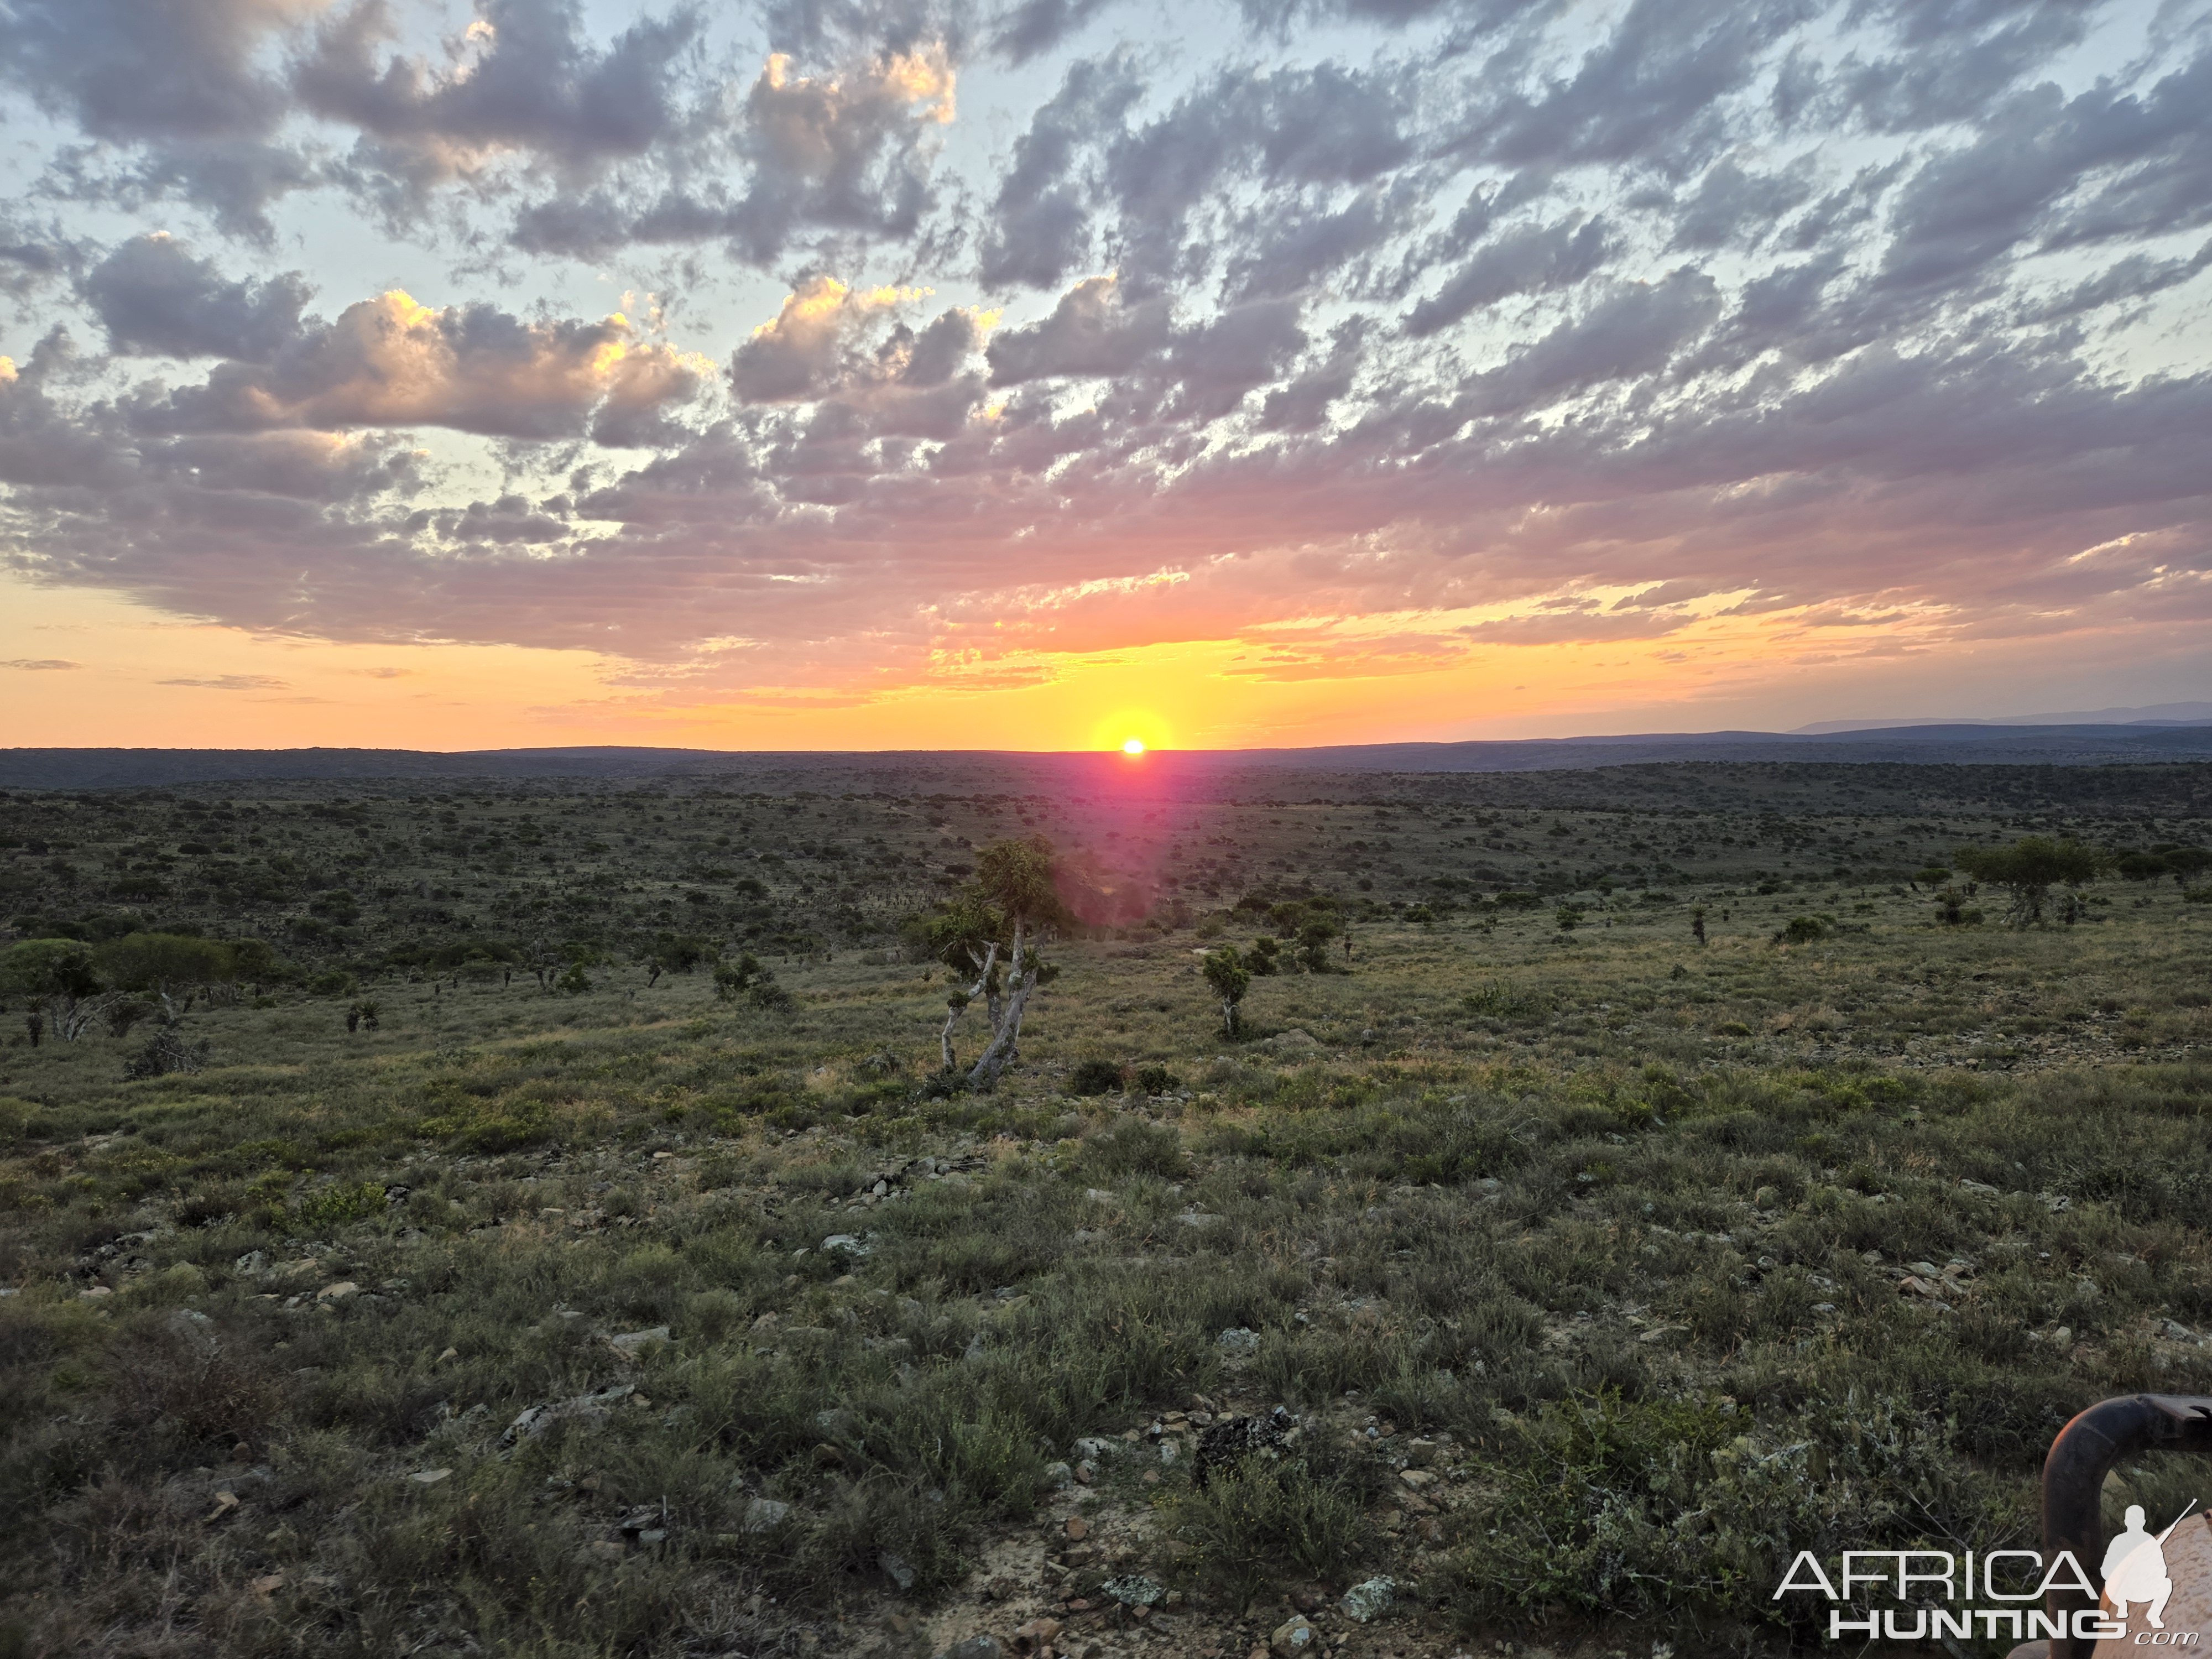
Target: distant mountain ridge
2160,714
1962,743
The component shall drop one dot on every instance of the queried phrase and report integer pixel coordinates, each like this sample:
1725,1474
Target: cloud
1031,27
1094,330
232,683
1531,259
844,153
1420,318
192,70
392,361
153,296
41,663
801,352
1040,224
520,80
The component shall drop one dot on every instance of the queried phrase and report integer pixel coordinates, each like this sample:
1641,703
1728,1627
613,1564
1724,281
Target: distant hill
2058,743
2162,714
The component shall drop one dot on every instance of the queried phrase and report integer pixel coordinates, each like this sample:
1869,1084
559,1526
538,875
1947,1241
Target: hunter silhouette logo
2145,1572
2135,1568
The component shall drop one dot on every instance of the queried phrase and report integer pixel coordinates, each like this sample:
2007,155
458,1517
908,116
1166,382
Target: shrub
1254,1522
1095,1077
1805,930
335,1207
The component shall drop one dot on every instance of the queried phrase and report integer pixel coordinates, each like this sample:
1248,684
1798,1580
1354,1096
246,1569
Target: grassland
1602,1269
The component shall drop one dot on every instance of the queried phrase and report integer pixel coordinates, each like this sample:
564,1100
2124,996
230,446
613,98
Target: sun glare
1134,746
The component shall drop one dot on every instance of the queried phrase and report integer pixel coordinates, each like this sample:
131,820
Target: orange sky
134,677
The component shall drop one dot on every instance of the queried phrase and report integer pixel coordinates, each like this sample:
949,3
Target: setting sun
1134,746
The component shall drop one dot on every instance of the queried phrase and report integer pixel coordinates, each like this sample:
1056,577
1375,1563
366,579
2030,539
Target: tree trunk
1006,1016
952,1018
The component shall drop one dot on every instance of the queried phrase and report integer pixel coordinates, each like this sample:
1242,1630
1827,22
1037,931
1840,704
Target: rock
267,1586
1057,1477
1036,1636
1669,1334
635,1345
1134,1591
1239,1339
1078,1528
606,1549
765,1514
1292,1041
337,1292
976,1647
1100,1196
1294,1636
429,1477
1420,1453
1417,1478
252,1262
587,1407
844,1244
897,1569
1370,1599
1198,1218
1234,1439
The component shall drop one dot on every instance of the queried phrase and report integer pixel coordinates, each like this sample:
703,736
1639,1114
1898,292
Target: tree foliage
1228,978
2030,868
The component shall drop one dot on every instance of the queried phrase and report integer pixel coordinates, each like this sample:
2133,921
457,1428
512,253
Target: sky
1046,374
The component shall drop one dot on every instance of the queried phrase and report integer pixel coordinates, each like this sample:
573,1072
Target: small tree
175,967
989,932
2030,868
1698,923
59,976
1229,978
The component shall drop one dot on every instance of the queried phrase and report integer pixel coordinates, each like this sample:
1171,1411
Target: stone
897,1569
588,1407
1136,1590
1370,1599
844,1244
337,1292
1238,1340
1292,1637
1417,1478
1057,1477
429,1477
635,1345
765,1514
1036,1636
1078,1528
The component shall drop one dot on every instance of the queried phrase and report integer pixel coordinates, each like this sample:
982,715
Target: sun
1133,747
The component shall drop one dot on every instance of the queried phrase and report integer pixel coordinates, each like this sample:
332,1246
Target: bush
1805,930
334,1207
1095,1077
168,1053
1255,1522
1155,1079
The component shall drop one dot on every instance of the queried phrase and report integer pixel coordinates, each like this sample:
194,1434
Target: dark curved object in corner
2073,1478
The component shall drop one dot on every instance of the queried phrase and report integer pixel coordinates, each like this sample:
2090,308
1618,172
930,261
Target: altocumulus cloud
1500,324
